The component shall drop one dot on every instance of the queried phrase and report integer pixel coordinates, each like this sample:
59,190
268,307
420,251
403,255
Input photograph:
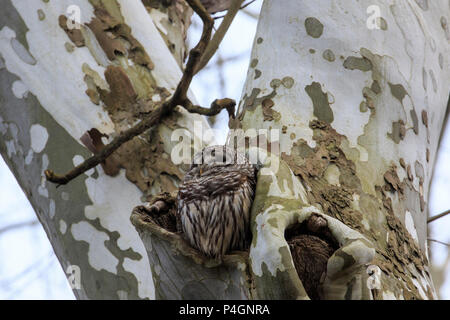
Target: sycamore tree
344,105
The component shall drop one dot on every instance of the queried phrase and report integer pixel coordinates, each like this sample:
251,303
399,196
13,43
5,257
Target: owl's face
215,157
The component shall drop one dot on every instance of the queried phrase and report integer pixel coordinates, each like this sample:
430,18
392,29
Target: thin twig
242,7
217,106
19,225
178,98
213,45
443,214
440,242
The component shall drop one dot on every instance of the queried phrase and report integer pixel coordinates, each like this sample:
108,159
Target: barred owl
214,201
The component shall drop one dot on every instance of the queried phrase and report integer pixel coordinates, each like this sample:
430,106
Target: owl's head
216,156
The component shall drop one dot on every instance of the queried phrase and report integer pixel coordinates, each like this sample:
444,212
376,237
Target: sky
28,267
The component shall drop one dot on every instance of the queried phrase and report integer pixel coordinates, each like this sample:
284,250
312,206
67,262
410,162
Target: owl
214,201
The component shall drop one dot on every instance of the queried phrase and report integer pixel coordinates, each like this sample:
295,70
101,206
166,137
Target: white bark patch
145,284
29,157
332,175
10,148
62,226
19,89
410,226
270,239
113,213
73,110
39,137
52,209
166,71
100,258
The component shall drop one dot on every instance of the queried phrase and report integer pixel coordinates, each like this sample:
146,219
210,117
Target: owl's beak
201,170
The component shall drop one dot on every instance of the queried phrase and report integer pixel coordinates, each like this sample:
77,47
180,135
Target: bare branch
178,98
213,45
19,225
440,242
443,214
216,107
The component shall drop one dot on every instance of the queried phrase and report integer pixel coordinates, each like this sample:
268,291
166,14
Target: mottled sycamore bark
359,91
67,67
358,100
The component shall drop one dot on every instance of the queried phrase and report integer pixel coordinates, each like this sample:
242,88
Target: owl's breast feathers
214,204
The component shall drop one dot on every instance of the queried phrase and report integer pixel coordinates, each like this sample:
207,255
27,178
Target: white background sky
28,266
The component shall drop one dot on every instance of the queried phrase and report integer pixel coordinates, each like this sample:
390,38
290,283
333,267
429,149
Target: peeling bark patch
322,109
311,164
172,19
444,25
382,23
122,94
420,172
425,78
74,34
398,131
415,121
329,55
398,91
257,73
113,35
376,87
409,173
363,107
111,46
259,40
425,118
253,63
251,102
402,163
288,82
69,47
401,247
41,15
356,63
393,183
314,28
268,113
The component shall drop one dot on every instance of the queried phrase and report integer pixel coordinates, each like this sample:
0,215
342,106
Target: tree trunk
355,95
60,80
